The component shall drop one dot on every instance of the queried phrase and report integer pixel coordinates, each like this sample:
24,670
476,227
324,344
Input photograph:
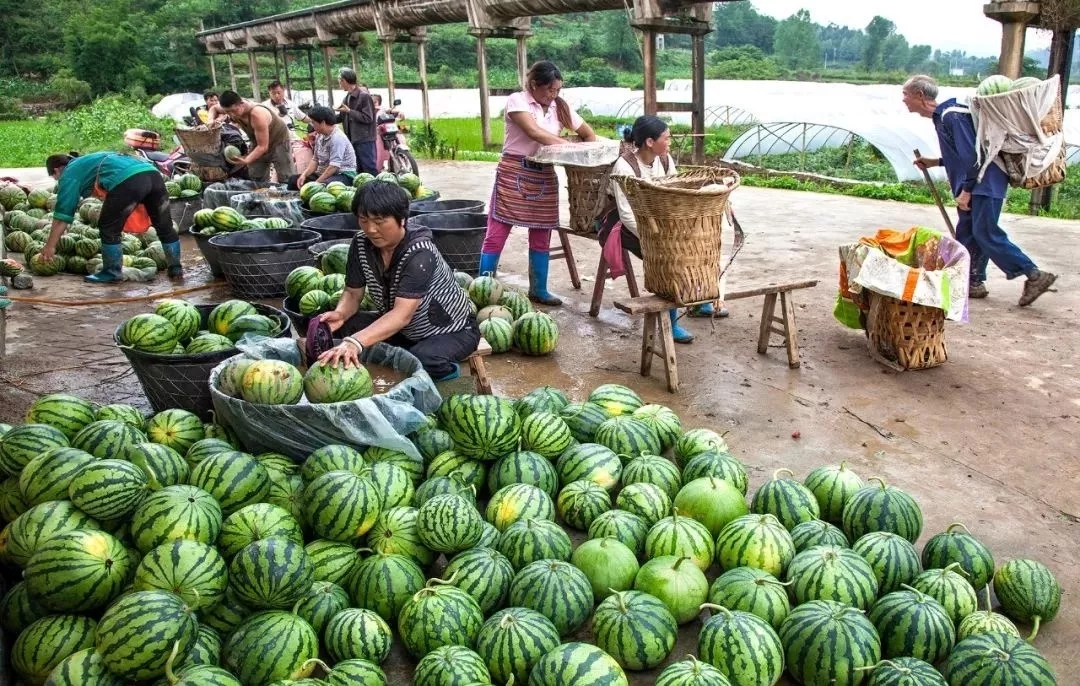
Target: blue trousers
979,232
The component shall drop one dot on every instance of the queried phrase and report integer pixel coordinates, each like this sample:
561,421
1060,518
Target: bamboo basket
678,220
203,145
904,335
587,189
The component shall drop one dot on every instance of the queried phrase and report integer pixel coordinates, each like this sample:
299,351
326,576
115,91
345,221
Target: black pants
366,157
343,178
437,353
146,188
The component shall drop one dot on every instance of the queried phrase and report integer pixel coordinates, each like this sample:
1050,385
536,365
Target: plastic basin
459,236
256,263
443,206
332,226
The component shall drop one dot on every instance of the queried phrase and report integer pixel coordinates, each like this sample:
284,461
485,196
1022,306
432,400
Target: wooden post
522,61
648,56
253,74
697,119
1061,55
277,66
388,59
329,76
213,71
352,50
485,92
421,58
232,73
285,65
311,77
1012,48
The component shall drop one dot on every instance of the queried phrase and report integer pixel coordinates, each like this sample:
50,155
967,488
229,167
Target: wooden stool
657,322
477,369
769,319
565,252
603,274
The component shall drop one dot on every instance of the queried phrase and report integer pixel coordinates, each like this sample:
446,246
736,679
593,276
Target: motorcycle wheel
402,162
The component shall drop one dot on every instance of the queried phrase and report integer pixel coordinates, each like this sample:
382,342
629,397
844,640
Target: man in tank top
268,132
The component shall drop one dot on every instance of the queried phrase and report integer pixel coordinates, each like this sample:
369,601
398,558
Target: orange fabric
891,241
139,219
910,283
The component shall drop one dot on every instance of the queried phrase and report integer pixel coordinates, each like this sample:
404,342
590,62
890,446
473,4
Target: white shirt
623,168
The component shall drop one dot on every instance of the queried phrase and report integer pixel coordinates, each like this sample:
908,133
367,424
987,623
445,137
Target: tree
739,23
796,44
619,44
895,52
877,32
917,57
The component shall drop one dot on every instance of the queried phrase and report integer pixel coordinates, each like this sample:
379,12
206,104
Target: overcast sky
945,24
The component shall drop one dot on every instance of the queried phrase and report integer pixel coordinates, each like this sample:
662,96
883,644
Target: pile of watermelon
177,328
312,291
276,382
183,187
210,222
158,551
337,197
507,319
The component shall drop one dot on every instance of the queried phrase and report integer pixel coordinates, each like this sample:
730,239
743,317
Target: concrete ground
987,439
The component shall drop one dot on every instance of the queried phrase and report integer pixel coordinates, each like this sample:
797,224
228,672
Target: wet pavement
987,439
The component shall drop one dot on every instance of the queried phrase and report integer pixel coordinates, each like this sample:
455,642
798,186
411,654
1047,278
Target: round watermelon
608,563
511,641
988,659
271,646
384,583
1028,592
138,633
677,582
184,317
754,591
825,640
65,412
438,615
533,540
743,646
148,333
333,384
271,573
574,663
832,573
78,571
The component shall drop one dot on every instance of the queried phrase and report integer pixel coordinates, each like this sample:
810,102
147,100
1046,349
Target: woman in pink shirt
527,193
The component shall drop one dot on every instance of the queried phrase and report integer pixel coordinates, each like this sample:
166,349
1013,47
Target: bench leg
787,303
631,280
568,254
480,377
598,287
767,313
667,343
648,342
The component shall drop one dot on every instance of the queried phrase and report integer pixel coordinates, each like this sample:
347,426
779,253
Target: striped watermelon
322,601
579,503
615,400
357,634
451,462
677,582
893,559
324,383
647,501
832,486
664,422
271,646
818,532
448,524
716,464
912,624
47,476
523,467
276,462
515,301
224,314
655,470
577,663
691,672
1028,592
272,573
787,499
333,458
499,334
758,541
516,502
711,501
256,522
223,433
543,399
430,442
272,382
483,573
532,540
108,489
333,561
121,413
78,571
206,650
162,465
226,615
148,333
19,610
184,317
355,673
589,461
410,464
38,524
175,513
754,591
951,546
394,486
989,659
395,532
12,503
511,641
177,429
483,427
65,412
438,615
489,537
681,537
451,665
46,642
485,290
23,443
609,565
628,437
83,668
634,628
880,507
205,448
693,442
555,589
832,573
743,646
583,419
455,484
546,434
139,632
905,671
194,571
234,478
825,640
286,492
951,589
202,675
107,439
978,622
384,583
628,528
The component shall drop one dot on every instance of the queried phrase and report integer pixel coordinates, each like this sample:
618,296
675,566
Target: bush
10,109
102,124
70,90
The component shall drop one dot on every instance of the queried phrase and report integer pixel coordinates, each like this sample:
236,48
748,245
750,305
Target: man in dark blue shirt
979,201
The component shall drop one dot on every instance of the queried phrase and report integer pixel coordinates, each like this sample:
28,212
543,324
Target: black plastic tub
256,263
332,226
443,206
209,252
299,320
458,236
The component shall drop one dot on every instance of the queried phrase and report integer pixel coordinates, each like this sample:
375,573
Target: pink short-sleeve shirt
516,141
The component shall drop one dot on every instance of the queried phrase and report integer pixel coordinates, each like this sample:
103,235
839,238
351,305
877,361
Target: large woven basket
587,189
904,335
678,219
203,145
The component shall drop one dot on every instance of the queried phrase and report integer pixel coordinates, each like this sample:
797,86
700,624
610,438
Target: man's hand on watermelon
963,201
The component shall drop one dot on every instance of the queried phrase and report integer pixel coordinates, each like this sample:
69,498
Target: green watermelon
817,532
589,461
693,442
431,442
989,659
483,573
1028,592
226,219
48,641
787,499
302,280
177,429
226,615
832,486
18,609
953,545
255,522
581,502
65,412
615,400
451,664
208,343
271,573
341,506
394,485
234,478
743,646
655,470
752,590
39,523
205,448
880,507
438,615
985,622
139,632
511,641
383,583
627,437
77,571
148,333
905,671
322,601
713,502
333,260
949,588
663,421
523,467
411,464
535,333
532,540
162,465
681,537
12,503
608,563
546,434
83,668
334,384
47,476
395,531
516,502
912,624
691,672
583,419
257,324
453,484
994,84
627,527
107,438
893,559
647,501
184,317
515,301
577,663
333,561
825,640
357,634
271,646
323,203
333,458
556,589
448,523
635,628
485,290
758,541
175,513
832,573
23,443
309,189
676,581
484,427
194,571
223,315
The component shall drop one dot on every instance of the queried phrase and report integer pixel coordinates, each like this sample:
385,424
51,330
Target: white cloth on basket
1012,123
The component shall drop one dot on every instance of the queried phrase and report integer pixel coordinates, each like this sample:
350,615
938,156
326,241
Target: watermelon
577,663
523,467
106,438
647,501
627,437
634,628
881,507
494,312
47,476
12,503
989,659
676,581
271,646
454,484
139,632
175,513
905,671
205,448
321,602
65,412
162,465
431,442
516,502
581,502
332,283
893,559
485,290
615,400
205,651
535,333
758,541
39,523
184,317
23,443
226,615
994,85
226,219
255,522
272,382
332,561
11,195
257,324
148,333
77,571
190,182
483,573
832,486
696,441
453,463
341,506
271,573
39,266
515,301
652,469
451,665
357,634
628,528
395,531
691,672
832,573
484,427
985,622
334,384
588,461
817,532
511,641
37,198
1028,592
754,591
953,545
394,486
286,492
825,640
583,419
787,499
663,421
333,458
18,609
194,571
414,465
912,624
48,641
681,537
383,583
354,673
713,502
546,434
556,589
302,280
609,565
1024,82
201,675
82,668
223,315
532,540
234,478
438,615
333,260
949,588
448,523
323,203
743,646
309,189
177,429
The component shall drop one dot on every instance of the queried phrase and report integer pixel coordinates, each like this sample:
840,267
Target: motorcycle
147,145
392,151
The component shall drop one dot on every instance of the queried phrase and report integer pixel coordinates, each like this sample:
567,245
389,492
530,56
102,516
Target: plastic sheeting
298,430
269,203
217,194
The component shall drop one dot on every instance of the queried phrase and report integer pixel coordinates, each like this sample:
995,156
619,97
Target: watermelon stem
999,654
885,663
914,590
304,671
169,675
711,607
1034,628
432,583
954,525
959,569
622,600
778,472
880,480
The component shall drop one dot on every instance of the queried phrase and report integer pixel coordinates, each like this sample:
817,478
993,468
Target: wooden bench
656,338
565,252
477,369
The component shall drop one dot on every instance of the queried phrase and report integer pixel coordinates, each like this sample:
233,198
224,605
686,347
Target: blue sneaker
452,375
